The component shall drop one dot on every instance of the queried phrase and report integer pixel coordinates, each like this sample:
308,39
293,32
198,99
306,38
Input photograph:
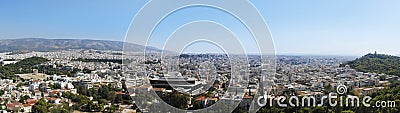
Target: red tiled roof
27,105
247,97
201,98
159,89
31,101
53,99
12,105
119,93
54,92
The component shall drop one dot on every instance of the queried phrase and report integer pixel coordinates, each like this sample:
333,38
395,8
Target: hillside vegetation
23,66
376,63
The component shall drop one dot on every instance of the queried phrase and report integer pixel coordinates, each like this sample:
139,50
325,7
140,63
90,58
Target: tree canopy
376,63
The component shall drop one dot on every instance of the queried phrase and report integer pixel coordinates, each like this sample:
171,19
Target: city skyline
298,27
181,56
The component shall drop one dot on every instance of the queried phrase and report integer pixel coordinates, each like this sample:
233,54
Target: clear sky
319,27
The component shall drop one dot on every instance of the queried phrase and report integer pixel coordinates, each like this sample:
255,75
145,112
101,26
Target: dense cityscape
101,81
199,56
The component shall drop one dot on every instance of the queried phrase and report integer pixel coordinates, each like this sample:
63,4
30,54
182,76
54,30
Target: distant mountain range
40,44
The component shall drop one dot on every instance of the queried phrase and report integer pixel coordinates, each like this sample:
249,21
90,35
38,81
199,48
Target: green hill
377,63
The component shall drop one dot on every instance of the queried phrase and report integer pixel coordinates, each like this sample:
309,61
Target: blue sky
320,27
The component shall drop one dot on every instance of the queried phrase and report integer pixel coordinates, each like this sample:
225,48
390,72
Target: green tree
377,63
40,107
23,98
1,92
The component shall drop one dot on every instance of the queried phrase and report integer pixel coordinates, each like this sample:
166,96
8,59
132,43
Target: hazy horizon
218,51
350,28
